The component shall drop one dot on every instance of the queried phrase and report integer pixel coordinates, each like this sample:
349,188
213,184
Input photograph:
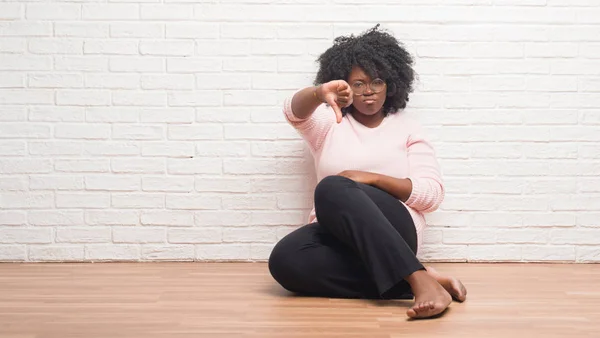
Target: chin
368,110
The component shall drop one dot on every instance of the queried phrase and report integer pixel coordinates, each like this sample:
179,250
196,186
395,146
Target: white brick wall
152,130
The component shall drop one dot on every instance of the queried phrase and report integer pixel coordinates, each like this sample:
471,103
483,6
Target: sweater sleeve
313,129
424,172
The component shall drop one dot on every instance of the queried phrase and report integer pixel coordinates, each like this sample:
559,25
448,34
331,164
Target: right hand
338,94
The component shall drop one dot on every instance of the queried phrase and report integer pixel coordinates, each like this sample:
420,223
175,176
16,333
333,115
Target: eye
358,85
378,82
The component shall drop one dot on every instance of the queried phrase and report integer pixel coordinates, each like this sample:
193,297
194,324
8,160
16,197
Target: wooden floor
241,300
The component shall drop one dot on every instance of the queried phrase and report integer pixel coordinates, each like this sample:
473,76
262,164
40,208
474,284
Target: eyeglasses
376,86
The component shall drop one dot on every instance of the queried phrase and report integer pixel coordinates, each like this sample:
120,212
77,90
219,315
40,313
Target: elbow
427,195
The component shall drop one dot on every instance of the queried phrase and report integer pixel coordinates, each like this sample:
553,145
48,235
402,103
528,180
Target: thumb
336,109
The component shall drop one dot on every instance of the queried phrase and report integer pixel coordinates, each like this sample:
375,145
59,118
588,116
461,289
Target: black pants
363,246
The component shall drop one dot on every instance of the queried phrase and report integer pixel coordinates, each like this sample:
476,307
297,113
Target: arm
424,172
423,189
400,188
306,112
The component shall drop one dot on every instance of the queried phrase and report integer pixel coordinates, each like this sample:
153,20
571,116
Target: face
370,102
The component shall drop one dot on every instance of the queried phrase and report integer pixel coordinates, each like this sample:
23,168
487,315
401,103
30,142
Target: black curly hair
380,55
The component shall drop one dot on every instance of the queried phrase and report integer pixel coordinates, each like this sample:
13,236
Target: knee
332,185
282,267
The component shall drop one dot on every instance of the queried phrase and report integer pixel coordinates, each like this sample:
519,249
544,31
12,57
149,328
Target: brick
139,235
171,81
136,132
12,80
112,217
148,166
25,166
83,200
53,11
553,253
168,217
193,202
136,64
56,182
81,63
83,235
194,166
13,148
110,11
120,148
13,253
55,46
13,218
587,236
196,132
55,80
222,47
10,11
56,114
113,183
112,252
28,200
224,114
222,148
138,98
112,81
96,131
25,235
167,115
9,183
223,185
111,47
112,114
192,30
249,202
167,12
195,236
168,184
171,149
13,45
196,98
25,28
167,48
194,65
222,218
26,96
495,252
81,29
137,201
249,31
59,253
136,30
55,218
254,235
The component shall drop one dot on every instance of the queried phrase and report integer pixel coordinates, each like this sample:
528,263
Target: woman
377,176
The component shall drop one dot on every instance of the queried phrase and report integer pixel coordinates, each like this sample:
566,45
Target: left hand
359,176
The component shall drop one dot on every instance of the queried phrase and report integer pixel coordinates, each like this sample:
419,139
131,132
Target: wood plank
242,300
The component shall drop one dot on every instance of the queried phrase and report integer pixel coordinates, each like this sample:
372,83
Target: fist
338,94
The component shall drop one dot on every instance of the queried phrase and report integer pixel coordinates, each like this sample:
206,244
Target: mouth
369,101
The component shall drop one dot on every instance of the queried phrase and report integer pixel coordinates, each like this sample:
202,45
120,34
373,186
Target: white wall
152,130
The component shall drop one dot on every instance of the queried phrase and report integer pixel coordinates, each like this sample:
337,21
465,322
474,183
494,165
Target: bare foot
454,286
431,298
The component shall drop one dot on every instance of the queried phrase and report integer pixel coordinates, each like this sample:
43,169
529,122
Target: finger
345,92
336,108
342,86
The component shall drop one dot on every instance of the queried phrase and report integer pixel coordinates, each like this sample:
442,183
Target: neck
370,121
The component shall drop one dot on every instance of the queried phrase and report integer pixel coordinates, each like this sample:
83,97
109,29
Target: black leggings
363,246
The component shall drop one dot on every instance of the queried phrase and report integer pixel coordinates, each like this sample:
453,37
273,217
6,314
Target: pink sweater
397,148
